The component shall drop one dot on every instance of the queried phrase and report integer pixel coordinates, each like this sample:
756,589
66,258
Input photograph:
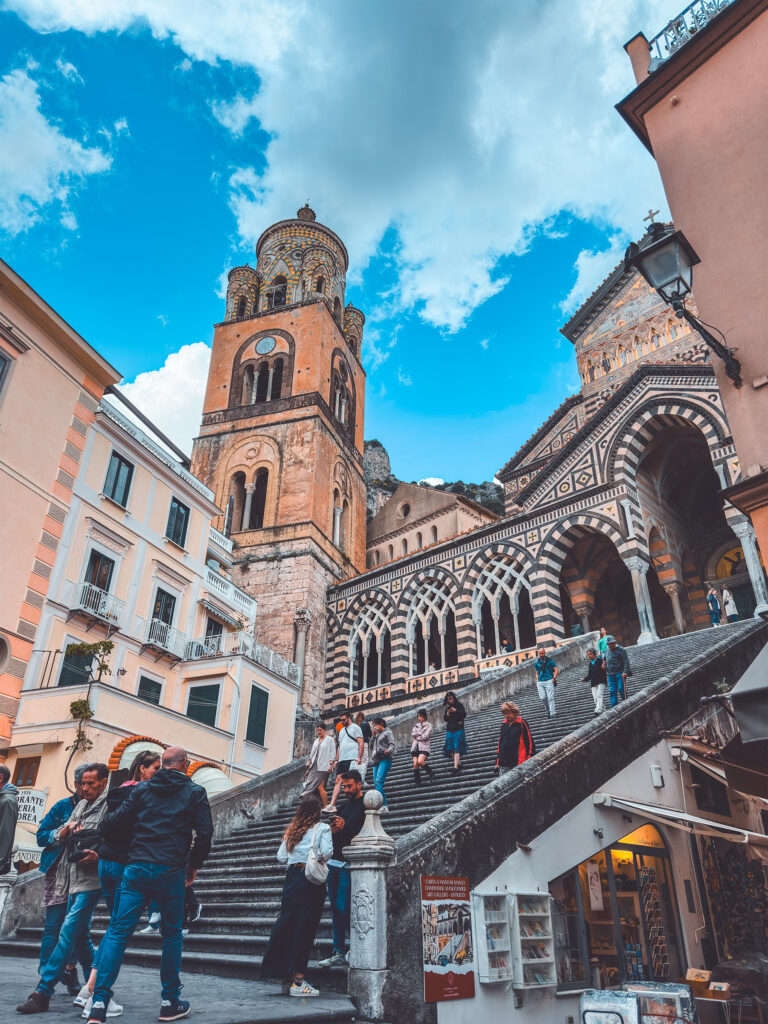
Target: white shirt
298,855
323,752
729,604
348,746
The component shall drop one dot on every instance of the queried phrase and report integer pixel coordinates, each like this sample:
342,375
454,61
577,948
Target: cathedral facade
613,508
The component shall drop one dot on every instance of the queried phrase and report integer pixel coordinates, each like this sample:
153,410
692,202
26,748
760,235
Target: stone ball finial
306,212
373,800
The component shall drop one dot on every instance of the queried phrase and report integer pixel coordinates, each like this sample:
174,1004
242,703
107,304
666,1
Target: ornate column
302,620
495,611
441,627
343,410
746,534
380,653
638,567
584,611
336,524
269,383
249,489
674,589
626,504
370,853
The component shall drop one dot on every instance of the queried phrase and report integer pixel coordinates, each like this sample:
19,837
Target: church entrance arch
596,587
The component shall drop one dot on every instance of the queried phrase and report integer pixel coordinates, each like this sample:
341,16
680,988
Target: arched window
390,552
405,545
434,535
337,309
277,293
277,379
247,396
241,302
336,518
320,285
636,348
343,539
419,543
262,384
259,500
378,557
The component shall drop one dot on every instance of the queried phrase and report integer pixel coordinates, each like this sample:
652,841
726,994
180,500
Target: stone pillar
269,383
301,623
626,504
442,645
497,637
336,525
746,534
673,589
478,640
638,567
343,410
249,489
370,853
584,611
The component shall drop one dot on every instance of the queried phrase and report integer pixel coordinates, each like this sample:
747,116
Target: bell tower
281,439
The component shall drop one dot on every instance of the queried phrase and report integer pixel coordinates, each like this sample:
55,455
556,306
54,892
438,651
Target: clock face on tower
265,345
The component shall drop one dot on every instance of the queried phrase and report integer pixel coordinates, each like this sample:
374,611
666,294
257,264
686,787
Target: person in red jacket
515,741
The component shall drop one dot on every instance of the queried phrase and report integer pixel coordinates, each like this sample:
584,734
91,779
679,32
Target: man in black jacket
160,816
345,825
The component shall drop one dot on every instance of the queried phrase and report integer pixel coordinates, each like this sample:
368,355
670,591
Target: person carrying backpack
617,669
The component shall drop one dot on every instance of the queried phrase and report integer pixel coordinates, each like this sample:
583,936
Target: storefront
615,917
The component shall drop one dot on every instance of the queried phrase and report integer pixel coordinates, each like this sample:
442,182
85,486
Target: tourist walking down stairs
319,762
9,815
596,677
306,841
546,679
454,716
383,748
349,754
516,744
421,734
617,669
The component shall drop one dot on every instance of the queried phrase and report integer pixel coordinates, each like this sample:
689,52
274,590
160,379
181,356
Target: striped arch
370,617
334,667
545,592
641,426
432,593
502,575
504,548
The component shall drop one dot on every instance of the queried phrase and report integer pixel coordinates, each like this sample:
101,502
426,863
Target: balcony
220,540
98,604
165,638
227,591
682,29
241,644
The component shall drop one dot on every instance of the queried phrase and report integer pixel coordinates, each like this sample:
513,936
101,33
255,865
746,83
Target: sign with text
32,804
448,949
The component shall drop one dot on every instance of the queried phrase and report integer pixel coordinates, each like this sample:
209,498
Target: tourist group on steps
138,846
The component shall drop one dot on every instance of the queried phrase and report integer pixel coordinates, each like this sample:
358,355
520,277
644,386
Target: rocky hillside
382,483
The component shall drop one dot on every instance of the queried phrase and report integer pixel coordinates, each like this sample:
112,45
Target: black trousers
293,933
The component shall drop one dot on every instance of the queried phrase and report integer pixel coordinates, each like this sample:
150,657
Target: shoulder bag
315,870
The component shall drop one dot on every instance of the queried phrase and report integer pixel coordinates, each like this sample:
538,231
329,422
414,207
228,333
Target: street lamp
666,260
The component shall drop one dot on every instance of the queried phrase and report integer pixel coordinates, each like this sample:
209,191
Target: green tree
80,709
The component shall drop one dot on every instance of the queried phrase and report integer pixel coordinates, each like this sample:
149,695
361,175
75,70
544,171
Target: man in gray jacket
9,815
77,875
617,669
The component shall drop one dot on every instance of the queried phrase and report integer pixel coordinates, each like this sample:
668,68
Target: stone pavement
214,1000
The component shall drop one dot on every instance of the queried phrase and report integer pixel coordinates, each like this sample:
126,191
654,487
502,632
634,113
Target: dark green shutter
257,716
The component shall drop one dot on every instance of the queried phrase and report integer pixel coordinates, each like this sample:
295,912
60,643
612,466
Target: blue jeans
339,884
380,772
75,930
54,919
110,877
143,881
615,687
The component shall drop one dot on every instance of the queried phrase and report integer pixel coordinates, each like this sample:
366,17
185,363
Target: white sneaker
149,930
303,990
83,997
113,1010
154,919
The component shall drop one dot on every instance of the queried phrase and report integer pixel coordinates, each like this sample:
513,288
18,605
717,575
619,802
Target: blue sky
474,166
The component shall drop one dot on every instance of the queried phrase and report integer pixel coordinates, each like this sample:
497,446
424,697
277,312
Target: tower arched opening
237,496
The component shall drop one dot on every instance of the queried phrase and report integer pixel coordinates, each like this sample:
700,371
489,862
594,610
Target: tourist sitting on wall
77,875
515,741
596,678
421,735
546,679
301,907
345,826
319,762
383,748
56,906
617,669
454,714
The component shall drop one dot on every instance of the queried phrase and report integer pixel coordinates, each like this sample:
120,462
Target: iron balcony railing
241,643
100,603
160,634
682,29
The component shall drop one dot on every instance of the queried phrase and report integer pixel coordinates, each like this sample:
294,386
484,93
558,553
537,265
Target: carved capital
585,608
636,564
302,620
673,588
742,528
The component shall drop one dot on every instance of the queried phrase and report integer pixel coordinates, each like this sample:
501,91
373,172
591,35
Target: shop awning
681,819
750,700
219,613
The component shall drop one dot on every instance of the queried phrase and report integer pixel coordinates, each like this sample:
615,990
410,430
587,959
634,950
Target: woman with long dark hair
302,902
454,714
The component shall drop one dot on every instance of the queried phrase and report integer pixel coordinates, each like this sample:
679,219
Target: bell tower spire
281,439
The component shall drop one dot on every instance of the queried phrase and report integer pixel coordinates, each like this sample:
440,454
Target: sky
467,152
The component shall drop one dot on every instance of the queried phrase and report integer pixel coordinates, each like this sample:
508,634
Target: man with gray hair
160,817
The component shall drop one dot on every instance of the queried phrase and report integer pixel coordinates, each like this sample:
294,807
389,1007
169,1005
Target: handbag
315,870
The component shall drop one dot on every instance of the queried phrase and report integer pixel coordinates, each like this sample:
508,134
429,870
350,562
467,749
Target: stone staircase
241,882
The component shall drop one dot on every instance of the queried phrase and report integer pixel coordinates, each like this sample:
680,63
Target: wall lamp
666,260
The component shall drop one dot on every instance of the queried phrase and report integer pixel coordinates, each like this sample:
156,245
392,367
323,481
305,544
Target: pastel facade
40,455
138,563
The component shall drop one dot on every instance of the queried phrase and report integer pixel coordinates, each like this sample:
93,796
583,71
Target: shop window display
614,916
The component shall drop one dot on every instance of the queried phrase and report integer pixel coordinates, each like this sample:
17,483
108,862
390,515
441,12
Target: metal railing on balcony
241,643
226,589
99,603
682,29
160,634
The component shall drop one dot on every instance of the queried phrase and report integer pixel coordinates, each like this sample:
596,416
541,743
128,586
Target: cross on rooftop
651,215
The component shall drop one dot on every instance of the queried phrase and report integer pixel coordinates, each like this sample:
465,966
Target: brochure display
514,938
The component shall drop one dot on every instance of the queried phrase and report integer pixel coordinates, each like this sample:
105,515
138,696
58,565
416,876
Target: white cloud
460,136
403,377
432,481
40,166
163,319
592,268
485,342
68,70
376,349
172,396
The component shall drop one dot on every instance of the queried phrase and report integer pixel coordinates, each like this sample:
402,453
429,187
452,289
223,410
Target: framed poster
32,804
595,886
448,946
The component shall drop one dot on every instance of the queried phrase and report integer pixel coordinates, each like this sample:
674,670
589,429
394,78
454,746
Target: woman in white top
302,902
421,734
729,606
319,762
